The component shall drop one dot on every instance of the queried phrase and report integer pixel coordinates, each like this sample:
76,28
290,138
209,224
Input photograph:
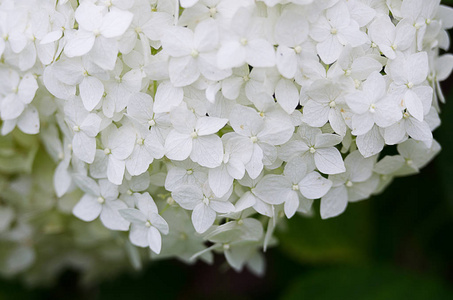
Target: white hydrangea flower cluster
199,123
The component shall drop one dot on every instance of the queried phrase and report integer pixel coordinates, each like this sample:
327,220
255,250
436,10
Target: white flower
118,144
85,127
334,30
225,115
17,93
86,75
316,149
391,38
245,43
193,53
326,103
146,224
296,184
291,31
100,199
357,183
236,156
408,75
204,204
372,106
97,28
195,138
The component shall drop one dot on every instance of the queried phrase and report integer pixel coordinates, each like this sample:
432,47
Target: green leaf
366,283
346,238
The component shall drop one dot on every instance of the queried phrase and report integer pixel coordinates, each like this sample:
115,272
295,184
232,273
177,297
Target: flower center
107,151
295,187
101,200
206,200
148,224
151,122
333,30
372,108
254,139
189,172
140,141
332,104
76,128
194,53
194,135
312,150
171,201
349,183
298,49
410,85
244,41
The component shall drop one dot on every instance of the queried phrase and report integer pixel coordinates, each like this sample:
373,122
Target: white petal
167,97
370,143
139,235
159,222
104,53
87,184
209,125
154,240
178,146
79,44
87,209
133,215
91,125
139,161
115,170
28,121
286,61
334,202
203,217
84,147
11,107
220,180
115,23
287,95
231,55
260,53
188,196
62,179
183,71
255,165
329,161
207,151
314,186
27,88
273,189
91,91
111,217
329,50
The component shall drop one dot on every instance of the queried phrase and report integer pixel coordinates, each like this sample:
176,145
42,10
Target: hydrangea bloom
196,122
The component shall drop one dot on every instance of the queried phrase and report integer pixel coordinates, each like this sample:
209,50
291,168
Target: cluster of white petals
196,126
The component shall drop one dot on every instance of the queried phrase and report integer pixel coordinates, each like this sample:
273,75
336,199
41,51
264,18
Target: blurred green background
398,245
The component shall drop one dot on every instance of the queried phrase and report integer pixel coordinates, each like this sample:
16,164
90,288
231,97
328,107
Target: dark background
397,245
